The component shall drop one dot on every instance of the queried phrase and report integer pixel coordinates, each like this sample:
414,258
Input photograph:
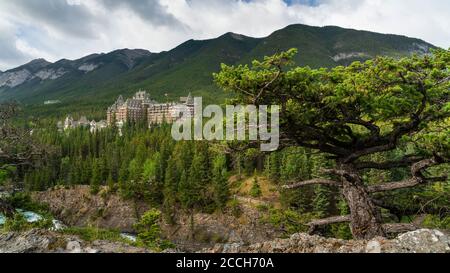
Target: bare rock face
424,241
26,243
210,229
78,207
43,241
420,241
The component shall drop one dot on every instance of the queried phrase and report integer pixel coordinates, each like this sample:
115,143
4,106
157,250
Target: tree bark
6,208
317,181
365,217
399,228
314,225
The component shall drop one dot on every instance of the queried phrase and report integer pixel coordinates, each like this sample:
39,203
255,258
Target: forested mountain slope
188,67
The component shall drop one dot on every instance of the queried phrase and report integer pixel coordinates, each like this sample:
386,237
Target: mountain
189,66
40,80
331,46
25,73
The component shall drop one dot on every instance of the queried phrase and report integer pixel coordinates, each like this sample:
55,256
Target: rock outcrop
210,229
419,241
77,207
43,241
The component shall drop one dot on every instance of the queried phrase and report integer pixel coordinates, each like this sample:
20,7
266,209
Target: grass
243,187
91,234
19,224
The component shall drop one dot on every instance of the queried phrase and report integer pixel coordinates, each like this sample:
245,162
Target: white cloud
57,29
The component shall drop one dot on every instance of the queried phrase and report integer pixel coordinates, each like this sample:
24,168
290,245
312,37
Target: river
33,217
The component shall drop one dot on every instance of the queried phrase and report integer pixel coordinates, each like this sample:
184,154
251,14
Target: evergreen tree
64,173
322,194
321,201
170,190
398,104
295,166
342,231
273,166
255,191
135,170
220,177
123,177
111,183
199,177
96,178
157,185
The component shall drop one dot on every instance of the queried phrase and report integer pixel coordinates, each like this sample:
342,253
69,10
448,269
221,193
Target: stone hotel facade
142,107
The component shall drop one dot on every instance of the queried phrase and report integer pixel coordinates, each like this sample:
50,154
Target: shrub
341,231
255,191
287,220
434,221
91,234
149,231
235,208
20,223
23,201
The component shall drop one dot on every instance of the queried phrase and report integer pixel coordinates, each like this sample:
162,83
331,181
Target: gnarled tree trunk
6,209
365,217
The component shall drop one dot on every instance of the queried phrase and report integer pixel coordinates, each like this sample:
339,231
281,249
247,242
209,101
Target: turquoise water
30,216
33,217
130,237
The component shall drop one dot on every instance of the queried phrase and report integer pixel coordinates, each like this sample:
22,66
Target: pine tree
321,201
199,176
342,231
295,166
135,170
273,166
64,173
157,185
111,183
322,194
170,190
96,178
255,191
220,182
123,177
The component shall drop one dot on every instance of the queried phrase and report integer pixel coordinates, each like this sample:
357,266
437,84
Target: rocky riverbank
44,241
216,233
78,207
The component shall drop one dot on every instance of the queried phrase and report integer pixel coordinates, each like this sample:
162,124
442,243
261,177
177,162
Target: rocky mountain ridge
41,70
189,66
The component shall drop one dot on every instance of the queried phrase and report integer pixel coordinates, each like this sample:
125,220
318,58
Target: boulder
423,241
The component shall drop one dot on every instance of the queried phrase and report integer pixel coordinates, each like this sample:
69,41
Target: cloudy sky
55,29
